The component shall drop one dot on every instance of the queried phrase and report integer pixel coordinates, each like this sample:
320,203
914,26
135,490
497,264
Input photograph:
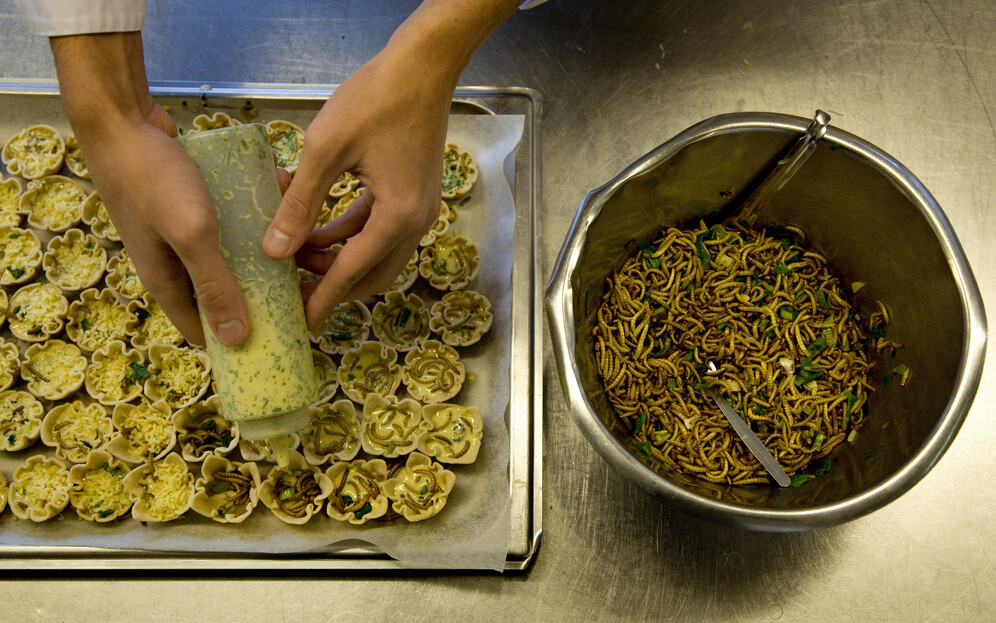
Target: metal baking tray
30,102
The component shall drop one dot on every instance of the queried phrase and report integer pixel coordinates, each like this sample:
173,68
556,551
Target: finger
365,265
219,296
166,279
283,178
350,223
298,211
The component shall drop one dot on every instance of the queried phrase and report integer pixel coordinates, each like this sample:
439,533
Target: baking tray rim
526,382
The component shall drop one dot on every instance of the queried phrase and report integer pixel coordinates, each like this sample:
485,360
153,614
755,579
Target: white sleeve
75,17
528,4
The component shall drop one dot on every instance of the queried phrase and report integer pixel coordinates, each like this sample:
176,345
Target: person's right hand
153,192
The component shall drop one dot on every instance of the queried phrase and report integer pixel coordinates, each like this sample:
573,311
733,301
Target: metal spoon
756,447
784,169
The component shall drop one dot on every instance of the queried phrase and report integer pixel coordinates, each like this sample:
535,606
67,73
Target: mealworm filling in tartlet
450,262
401,321
331,432
461,317
346,326
354,491
205,432
80,429
419,487
392,427
454,432
235,488
295,490
433,370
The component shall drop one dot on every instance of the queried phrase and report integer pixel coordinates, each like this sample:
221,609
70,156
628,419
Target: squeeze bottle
266,383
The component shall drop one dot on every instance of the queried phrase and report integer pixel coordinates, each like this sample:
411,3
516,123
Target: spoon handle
754,444
785,168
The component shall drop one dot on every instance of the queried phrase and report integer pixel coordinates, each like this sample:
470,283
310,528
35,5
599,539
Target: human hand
153,192
386,124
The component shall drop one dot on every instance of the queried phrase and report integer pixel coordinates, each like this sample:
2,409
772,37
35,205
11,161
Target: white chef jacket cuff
75,17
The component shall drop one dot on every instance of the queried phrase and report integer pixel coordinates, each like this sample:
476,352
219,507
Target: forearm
102,81
441,36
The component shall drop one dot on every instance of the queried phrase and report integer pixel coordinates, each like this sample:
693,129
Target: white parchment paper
472,531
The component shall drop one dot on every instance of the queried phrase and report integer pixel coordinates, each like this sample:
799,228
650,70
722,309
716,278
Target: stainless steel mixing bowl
875,222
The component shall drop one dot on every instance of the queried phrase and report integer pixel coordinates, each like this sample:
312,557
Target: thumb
296,216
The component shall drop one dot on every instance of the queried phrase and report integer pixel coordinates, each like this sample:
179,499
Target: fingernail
231,333
277,242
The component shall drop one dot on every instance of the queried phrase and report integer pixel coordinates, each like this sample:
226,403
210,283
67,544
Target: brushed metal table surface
617,79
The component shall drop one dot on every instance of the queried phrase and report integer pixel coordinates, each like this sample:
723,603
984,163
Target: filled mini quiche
122,278
202,431
461,318
37,311
333,433
287,140
75,429
453,433
144,431
115,374
96,319
390,426
369,368
53,203
161,490
297,492
433,372
148,324
180,376
74,158
95,215
440,227
34,152
459,171
10,362
53,369
345,328
39,489
356,495
20,255
400,321
420,489
96,488
74,260
227,491
449,263
20,419
325,372
10,198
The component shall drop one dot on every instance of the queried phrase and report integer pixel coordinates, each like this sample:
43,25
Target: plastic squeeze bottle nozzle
266,383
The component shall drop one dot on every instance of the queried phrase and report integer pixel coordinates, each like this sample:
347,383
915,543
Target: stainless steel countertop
617,79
